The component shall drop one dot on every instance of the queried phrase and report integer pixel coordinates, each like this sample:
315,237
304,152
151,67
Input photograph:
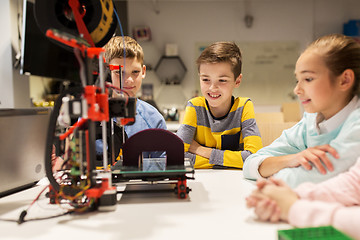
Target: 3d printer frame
79,183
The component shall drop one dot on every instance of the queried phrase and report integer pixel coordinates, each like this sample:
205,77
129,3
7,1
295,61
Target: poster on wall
142,33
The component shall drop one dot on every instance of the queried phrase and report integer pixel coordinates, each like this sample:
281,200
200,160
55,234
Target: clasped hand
271,200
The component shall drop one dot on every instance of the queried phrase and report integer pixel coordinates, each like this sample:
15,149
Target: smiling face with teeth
217,83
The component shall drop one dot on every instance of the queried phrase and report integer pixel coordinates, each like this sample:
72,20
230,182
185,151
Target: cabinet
170,70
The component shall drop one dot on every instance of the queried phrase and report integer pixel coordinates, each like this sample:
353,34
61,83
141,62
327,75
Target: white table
172,126
215,209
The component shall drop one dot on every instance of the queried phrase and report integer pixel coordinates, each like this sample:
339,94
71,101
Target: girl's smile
317,88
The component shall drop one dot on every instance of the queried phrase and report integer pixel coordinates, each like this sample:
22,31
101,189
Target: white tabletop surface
172,126
215,209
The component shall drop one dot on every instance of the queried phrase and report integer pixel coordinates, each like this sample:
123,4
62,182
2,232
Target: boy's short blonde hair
115,49
219,52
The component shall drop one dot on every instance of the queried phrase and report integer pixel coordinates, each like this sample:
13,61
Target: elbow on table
248,170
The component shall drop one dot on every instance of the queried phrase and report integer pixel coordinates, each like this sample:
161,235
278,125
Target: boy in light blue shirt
134,72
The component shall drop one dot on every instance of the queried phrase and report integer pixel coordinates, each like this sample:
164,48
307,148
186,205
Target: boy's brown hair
219,52
115,49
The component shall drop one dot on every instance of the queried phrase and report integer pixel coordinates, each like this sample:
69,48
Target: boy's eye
309,79
136,72
116,72
222,80
204,79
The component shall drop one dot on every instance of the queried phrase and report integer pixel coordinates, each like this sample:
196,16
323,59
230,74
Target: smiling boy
219,129
133,73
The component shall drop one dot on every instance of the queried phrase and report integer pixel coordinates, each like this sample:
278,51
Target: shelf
170,70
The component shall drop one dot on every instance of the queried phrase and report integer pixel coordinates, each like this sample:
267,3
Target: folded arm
314,156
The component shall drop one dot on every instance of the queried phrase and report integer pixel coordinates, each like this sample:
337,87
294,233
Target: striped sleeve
187,129
250,131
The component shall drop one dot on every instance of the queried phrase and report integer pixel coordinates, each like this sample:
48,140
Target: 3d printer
84,27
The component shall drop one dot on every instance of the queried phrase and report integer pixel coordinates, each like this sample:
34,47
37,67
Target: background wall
6,86
188,23
14,88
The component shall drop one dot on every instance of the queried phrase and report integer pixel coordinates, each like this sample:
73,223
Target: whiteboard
268,71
